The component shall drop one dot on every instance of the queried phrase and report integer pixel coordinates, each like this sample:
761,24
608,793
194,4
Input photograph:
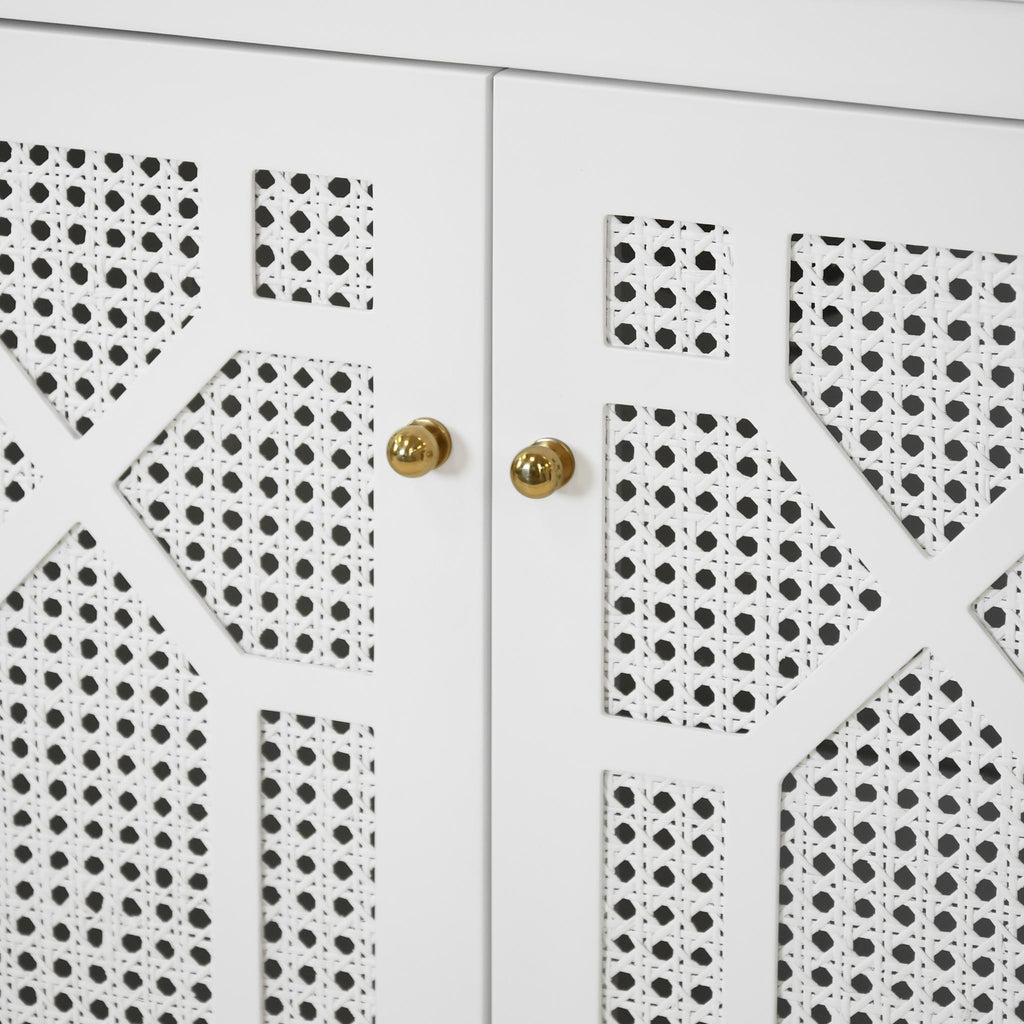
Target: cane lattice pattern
902,872
725,584
668,286
103,834
1001,609
913,357
261,491
314,239
99,268
664,883
17,474
318,870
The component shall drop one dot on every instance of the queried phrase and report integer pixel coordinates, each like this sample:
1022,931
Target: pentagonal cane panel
104,909
261,490
1001,609
318,870
913,357
726,585
663,888
903,865
17,474
668,286
99,268
314,238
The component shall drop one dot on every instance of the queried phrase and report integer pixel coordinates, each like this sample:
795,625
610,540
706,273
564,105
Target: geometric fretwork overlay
17,474
314,239
913,357
104,908
668,286
663,893
99,268
261,492
317,780
1001,609
902,875
726,585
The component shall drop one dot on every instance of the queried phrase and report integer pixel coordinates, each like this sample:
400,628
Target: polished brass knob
419,447
540,469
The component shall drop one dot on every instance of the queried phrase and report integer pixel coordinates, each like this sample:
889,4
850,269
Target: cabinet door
244,663
785,342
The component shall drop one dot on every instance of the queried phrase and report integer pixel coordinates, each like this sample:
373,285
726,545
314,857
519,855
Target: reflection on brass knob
539,470
419,447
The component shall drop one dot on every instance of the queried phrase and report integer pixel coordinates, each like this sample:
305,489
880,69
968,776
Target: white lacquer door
758,710
244,674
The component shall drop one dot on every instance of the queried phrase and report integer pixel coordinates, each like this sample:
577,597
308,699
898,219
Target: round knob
419,447
539,470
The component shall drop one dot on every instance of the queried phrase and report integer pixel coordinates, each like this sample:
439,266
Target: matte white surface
419,133
956,55
764,169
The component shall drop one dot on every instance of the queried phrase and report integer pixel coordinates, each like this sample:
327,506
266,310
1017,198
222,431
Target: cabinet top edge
952,56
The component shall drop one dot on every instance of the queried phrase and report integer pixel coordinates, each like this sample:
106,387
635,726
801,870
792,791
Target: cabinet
727,728
720,623
266,788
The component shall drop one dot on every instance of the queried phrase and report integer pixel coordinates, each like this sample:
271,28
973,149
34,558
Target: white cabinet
299,826
718,620
726,729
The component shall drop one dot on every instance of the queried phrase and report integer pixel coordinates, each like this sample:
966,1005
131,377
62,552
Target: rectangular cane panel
668,286
663,891
318,870
314,238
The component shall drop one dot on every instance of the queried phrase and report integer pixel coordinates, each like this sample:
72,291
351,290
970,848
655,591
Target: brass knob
419,447
539,470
